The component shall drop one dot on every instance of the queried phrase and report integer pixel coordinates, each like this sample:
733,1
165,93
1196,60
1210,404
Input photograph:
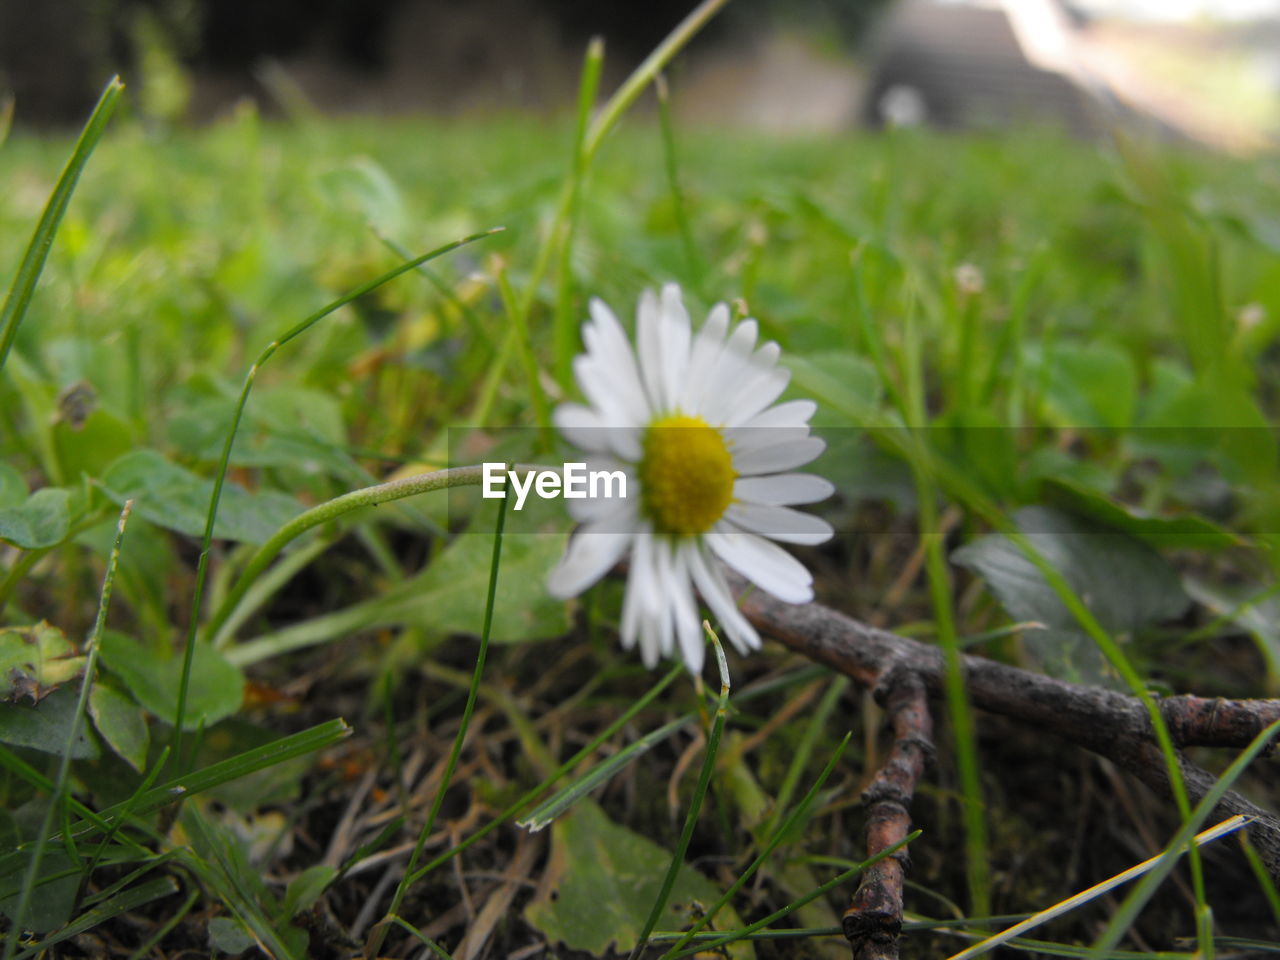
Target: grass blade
695,804
29,269
731,936
1137,899
1092,893
56,801
693,262
403,887
779,835
559,772
202,565
563,339
123,902
571,793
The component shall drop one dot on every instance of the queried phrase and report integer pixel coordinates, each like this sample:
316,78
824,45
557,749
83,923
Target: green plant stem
564,343
171,921
431,945
1267,885
695,804
1137,899
692,261
559,772
613,110
790,908
520,323
643,75
957,698
779,834
33,259
804,750
403,887
215,497
326,512
265,586
77,719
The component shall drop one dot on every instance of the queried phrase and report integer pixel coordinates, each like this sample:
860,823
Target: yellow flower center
686,476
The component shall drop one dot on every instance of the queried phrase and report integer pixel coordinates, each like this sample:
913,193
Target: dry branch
874,917
902,671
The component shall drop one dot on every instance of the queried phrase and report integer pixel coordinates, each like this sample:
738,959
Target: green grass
1095,367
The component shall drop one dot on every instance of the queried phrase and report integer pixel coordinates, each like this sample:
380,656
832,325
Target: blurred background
1203,70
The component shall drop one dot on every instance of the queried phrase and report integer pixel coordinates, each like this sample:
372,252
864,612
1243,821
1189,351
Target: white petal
710,583
641,590
607,514
676,334
762,385
783,489
780,523
744,440
616,407
702,356
684,610
615,353
590,556
727,371
650,640
778,457
765,564
649,349
656,635
793,413
581,426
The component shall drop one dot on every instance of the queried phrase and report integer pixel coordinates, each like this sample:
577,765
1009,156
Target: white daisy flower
691,422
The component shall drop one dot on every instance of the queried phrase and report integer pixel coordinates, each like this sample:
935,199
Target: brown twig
904,672
874,917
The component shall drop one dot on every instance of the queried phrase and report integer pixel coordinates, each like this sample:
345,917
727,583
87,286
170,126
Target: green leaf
601,881
228,935
197,781
13,488
120,722
1214,424
219,857
174,497
287,427
1090,385
448,597
1123,582
45,726
978,442
53,900
1260,617
306,888
92,445
362,188
1045,462
1173,530
841,381
42,521
35,660
215,691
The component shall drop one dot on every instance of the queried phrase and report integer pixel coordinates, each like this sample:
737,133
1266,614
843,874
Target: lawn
1045,373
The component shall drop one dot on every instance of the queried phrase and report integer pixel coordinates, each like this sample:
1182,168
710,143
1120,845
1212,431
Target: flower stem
473,692
324,513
